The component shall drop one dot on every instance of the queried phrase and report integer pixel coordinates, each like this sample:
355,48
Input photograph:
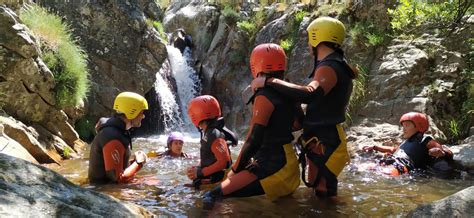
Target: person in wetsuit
267,162
112,146
174,145
418,151
205,113
327,95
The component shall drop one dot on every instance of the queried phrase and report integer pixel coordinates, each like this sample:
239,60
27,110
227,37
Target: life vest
414,149
108,129
331,110
208,137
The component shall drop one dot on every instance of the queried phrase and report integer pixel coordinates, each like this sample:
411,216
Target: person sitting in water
174,146
205,113
267,163
112,146
417,151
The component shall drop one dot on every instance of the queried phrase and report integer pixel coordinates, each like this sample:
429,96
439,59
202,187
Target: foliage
158,26
288,44
412,16
368,33
62,55
230,15
85,127
248,27
66,152
359,91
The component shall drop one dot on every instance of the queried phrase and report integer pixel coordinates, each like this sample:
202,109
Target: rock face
124,52
460,204
20,185
11,147
26,84
464,153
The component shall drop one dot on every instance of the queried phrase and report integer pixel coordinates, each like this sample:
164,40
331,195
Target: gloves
140,157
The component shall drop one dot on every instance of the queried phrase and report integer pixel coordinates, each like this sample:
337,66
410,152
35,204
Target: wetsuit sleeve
323,81
299,117
262,111
221,152
434,144
113,153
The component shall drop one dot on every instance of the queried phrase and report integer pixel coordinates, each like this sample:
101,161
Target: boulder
460,204
11,147
20,182
125,52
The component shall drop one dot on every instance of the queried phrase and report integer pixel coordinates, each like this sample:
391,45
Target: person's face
408,129
176,147
137,121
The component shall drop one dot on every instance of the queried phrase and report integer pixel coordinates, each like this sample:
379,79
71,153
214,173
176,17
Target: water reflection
160,188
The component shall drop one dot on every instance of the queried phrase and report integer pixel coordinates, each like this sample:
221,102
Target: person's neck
128,123
324,51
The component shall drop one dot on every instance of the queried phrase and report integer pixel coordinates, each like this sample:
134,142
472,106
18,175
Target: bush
230,15
62,55
248,27
85,127
368,33
412,16
359,90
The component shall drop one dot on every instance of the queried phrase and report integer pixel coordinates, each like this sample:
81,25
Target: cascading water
170,113
188,85
187,81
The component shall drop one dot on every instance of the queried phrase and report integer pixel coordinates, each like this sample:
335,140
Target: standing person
112,146
205,113
267,163
418,151
327,95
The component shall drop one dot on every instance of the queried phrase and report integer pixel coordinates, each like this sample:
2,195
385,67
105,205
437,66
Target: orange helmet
202,108
420,120
266,58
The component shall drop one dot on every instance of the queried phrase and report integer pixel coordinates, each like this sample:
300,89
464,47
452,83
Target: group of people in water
268,163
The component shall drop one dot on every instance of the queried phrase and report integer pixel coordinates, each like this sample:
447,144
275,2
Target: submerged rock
460,204
30,190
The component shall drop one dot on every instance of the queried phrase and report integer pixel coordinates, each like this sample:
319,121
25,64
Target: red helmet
420,120
266,58
202,108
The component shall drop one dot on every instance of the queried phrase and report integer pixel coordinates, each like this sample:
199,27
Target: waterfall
187,81
170,113
173,113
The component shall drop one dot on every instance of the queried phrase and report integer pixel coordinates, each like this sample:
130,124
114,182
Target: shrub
412,16
248,27
230,15
368,33
85,127
359,90
62,55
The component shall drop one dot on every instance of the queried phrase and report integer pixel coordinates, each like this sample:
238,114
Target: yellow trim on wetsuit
340,157
286,180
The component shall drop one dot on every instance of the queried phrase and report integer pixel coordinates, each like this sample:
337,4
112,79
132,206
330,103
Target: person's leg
228,186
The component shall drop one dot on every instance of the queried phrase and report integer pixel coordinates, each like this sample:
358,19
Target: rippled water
160,188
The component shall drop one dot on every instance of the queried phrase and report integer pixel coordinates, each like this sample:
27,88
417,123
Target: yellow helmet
326,29
130,104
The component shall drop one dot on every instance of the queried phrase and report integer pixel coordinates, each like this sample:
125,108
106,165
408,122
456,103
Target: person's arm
323,81
385,149
437,150
262,111
113,153
221,152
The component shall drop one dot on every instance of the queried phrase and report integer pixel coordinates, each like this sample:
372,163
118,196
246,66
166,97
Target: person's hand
191,172
140,157
230,174
368,148
436,152
258,82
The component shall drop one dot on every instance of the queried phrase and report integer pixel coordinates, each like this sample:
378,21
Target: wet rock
460,204
20,182
464,153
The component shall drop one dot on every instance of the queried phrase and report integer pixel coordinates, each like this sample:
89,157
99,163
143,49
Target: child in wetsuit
417,151
205,113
